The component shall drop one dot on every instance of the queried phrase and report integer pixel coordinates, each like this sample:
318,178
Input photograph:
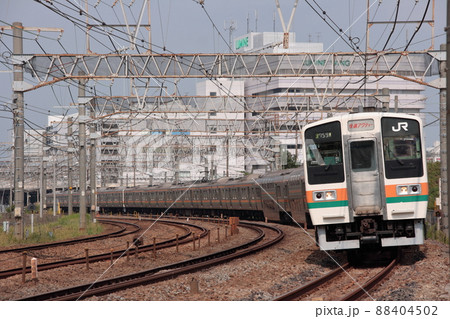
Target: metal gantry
51,68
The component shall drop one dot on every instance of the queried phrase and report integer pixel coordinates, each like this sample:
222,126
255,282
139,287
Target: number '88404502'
405,310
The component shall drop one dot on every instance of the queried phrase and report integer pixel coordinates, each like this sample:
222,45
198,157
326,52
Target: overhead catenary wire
225,42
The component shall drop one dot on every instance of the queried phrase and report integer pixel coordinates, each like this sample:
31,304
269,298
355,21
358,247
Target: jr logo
400,125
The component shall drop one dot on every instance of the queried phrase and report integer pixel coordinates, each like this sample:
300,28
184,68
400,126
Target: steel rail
302,290
354,295
164,272
360,291
106,256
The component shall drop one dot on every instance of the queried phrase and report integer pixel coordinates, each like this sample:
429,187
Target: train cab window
324,159
363,156
402,148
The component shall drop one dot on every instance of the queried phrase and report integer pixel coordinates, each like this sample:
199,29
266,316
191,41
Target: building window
213,129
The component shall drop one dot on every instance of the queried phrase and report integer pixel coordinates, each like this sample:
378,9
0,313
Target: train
366,180
363,184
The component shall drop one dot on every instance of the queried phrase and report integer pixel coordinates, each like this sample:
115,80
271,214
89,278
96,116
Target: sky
183,26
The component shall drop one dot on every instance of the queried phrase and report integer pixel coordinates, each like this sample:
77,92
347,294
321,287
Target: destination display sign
361,125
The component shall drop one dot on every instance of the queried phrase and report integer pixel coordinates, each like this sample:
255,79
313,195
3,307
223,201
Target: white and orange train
364,182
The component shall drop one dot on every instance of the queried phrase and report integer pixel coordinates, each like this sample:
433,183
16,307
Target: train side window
243,193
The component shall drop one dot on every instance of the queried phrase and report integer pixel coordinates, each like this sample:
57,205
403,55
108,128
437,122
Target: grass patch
48,230
435,234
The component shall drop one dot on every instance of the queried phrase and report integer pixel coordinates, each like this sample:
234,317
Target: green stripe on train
407,199
328,204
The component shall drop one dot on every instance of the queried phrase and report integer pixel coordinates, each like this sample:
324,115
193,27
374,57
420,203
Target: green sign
240,43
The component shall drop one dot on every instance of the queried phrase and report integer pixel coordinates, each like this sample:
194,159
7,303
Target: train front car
366,181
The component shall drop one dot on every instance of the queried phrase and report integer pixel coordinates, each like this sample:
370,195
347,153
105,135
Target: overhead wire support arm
286,29
49,69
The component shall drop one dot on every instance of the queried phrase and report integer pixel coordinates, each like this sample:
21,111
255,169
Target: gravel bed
422,274
12,288
160,231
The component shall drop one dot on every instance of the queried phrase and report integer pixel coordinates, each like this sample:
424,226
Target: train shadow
412,255
330,259
364,258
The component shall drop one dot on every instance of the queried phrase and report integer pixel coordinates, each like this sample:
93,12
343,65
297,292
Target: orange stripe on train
341,194
391,190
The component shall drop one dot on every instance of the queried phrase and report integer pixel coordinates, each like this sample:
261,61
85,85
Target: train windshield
324,153
401,147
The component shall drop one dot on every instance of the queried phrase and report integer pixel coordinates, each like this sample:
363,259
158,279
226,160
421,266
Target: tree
434,173
291,161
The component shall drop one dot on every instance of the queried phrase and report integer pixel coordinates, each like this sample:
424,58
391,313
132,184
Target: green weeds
50,229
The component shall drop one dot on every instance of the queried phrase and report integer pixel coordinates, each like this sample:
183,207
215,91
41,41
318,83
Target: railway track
121,232
117,253
307,289
102,287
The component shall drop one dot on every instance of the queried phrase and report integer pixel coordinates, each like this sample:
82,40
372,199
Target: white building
174,139
310,98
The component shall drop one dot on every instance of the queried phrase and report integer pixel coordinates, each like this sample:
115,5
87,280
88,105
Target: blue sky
183,26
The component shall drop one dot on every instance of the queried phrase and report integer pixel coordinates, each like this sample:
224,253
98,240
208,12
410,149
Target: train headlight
330,195
324,195
408,189
402,190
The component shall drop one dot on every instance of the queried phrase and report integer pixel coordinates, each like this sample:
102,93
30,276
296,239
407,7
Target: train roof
293,173
362,115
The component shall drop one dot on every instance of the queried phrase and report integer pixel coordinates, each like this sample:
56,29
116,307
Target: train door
364,177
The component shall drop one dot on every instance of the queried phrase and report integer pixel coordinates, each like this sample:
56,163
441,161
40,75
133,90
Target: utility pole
19,86
230,30
227,150
54,181
69,164
18,130
443,128
288,27
43,208
82,161
41,183
134,168
93,177
177,163
44,192
445,221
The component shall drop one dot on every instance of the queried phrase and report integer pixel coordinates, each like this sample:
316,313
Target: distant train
364,182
